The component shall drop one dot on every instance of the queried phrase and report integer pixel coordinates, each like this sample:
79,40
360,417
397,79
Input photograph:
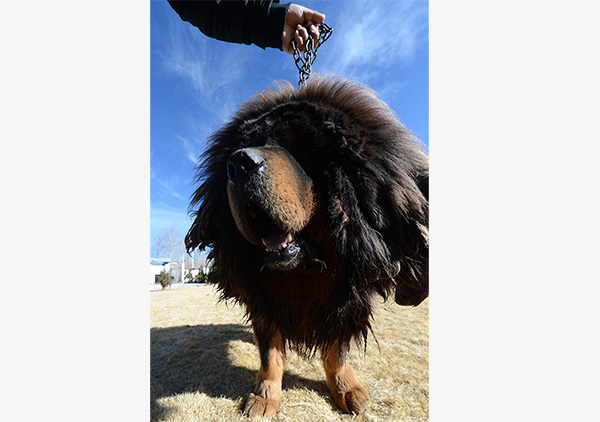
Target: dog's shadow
198,359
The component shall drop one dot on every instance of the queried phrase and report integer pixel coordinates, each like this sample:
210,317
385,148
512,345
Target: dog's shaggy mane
371,180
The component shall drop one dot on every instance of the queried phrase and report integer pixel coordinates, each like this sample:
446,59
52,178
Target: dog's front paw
356,400
261,406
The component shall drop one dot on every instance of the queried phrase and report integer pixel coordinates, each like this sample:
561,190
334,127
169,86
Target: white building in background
177,270
157,265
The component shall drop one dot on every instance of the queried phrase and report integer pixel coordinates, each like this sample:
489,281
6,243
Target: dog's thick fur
313,201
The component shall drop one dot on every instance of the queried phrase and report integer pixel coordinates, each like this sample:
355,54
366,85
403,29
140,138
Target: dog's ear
198,234
412,281
404,208
382,232
380,222
210,215
412,284
213,217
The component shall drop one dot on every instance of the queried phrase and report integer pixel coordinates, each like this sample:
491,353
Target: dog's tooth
289,237
263,241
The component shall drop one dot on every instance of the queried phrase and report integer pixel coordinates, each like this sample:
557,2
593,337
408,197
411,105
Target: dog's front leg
267,395
348,394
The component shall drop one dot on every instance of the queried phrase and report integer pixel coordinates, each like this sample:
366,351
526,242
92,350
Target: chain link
305,59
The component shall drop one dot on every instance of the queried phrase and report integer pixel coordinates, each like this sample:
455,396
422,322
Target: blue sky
197,82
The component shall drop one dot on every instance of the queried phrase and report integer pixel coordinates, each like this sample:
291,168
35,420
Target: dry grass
203,364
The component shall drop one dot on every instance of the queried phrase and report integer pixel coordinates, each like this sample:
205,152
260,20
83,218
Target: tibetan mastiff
313,201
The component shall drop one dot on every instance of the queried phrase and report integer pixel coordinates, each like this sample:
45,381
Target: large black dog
313,201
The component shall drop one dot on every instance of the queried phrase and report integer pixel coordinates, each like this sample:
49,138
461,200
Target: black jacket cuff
275,25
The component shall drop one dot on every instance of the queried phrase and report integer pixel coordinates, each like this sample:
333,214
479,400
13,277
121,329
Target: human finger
312,15
299,40
314,31
286,39
303,34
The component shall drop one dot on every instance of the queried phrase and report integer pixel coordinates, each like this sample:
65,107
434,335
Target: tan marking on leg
348,394
266,398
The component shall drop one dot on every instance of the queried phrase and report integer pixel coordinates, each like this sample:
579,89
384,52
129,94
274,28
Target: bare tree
168,244
199,258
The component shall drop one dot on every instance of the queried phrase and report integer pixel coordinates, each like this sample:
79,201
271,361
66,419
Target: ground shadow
197,359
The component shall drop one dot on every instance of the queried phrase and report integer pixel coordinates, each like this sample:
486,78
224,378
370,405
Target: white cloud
170,186
372,37
164,216
207,71
191,149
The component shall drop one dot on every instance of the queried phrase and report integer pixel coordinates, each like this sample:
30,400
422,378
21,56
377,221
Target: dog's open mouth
285,255
277,241
283,251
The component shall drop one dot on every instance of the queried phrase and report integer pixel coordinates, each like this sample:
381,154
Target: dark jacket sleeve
258,22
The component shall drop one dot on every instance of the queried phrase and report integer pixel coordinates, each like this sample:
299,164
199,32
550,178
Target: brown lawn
204,362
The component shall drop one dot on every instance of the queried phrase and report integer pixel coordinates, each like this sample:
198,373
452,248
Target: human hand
298,19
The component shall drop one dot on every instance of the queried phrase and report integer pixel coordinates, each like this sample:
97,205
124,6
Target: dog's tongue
276,241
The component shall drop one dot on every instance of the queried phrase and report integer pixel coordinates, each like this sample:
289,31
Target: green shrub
200,277
165,279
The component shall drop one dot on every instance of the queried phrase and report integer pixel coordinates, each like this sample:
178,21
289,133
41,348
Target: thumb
311,15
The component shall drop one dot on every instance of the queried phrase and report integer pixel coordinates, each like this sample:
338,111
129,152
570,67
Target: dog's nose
243,163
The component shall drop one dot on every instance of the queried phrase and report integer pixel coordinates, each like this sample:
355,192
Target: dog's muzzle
271,200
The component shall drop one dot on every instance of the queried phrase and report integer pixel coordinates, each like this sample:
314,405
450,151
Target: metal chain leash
304,60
